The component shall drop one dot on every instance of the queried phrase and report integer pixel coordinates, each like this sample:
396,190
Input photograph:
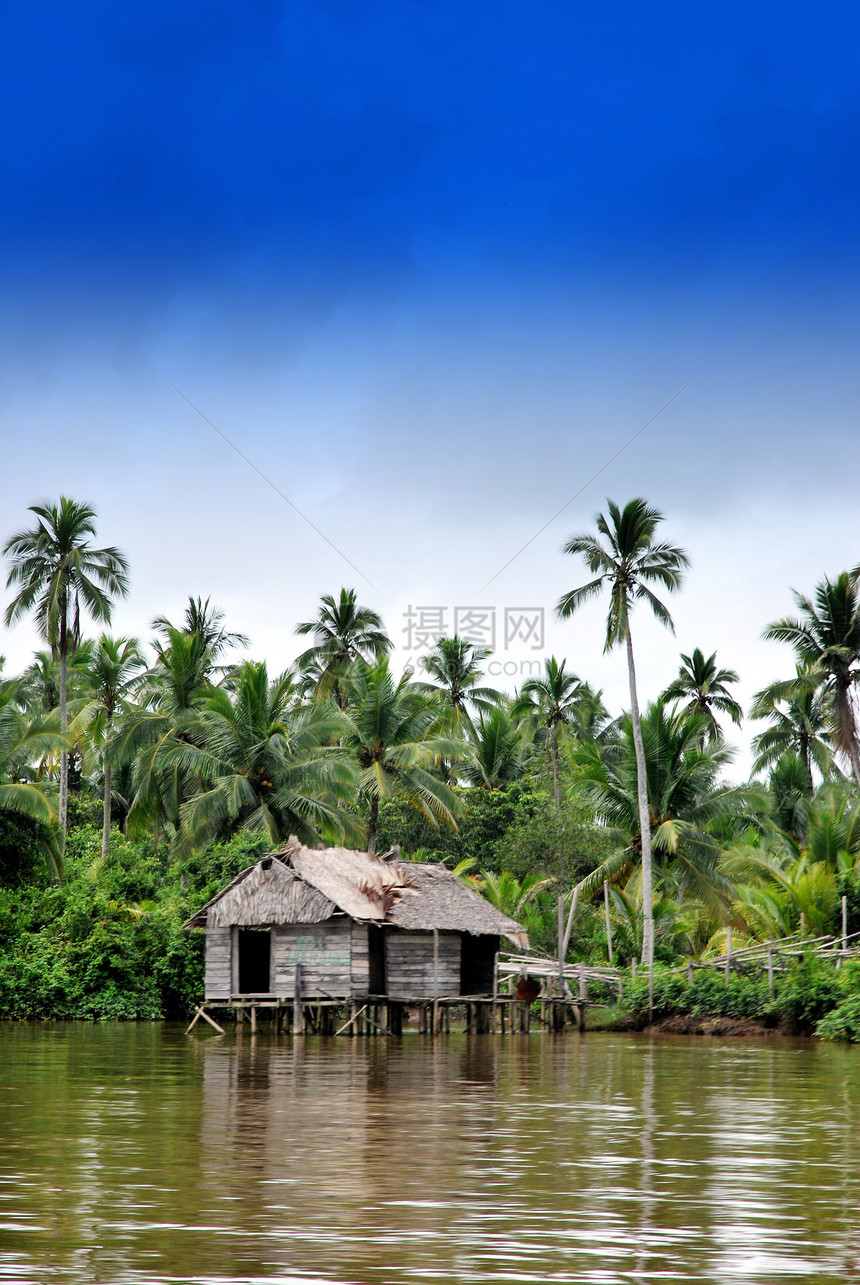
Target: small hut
344,925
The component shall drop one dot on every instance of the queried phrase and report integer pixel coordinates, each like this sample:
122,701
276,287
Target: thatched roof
307,885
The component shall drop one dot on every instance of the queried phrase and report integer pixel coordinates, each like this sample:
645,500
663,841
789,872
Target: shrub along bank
811,998
107,943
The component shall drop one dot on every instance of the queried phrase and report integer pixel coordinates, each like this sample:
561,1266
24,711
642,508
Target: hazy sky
429,266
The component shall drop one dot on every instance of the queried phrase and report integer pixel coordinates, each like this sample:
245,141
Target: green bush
804,995
842,1022
809,990
108,942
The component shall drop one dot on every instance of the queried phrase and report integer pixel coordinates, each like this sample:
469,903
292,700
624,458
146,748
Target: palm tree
395,732
208,623
23,742
454,664
498,751
797,712
790,791
171,698
704,688
626,562
264,763
826,640
59,574
343,633
114,673
554,701
685,799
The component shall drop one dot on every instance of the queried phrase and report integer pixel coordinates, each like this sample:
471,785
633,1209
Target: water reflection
132,1155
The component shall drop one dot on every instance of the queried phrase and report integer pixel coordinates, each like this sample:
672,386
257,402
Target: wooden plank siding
409,964
360,970
324,952
218,973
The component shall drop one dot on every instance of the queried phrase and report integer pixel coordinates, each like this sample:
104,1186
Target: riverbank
811,998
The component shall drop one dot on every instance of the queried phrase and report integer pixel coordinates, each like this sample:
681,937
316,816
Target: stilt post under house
298,1021
435,981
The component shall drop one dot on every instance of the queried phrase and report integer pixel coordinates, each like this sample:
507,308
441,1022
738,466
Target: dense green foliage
136,779
811,996
108,942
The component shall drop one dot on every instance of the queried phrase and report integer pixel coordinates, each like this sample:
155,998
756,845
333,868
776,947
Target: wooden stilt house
348,925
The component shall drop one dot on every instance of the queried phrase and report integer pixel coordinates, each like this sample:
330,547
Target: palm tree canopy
343,632
263,763
555,698
826,640
395,731
113,671
454,665
208,623
498,751
58,572
627,561
684,793
704,688
796,709
23,741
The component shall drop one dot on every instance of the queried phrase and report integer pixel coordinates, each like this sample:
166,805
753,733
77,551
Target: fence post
770,969
728,950
560,916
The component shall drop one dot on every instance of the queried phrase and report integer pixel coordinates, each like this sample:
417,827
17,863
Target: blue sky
429,266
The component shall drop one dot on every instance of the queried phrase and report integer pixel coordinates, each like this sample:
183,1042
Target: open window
255,961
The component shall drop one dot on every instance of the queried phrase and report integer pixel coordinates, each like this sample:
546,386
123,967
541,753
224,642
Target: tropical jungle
137,776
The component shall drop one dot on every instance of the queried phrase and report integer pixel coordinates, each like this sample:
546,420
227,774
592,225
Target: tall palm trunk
845,725
108,772
107,812
644,817
555,789
373,823
64,725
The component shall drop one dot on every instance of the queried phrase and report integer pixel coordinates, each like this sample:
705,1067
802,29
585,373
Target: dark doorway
376,960
255,953
477,963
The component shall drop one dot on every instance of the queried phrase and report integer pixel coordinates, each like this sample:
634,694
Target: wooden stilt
298,1017
200,1012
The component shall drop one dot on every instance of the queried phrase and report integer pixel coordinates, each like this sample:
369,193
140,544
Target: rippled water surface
133,1154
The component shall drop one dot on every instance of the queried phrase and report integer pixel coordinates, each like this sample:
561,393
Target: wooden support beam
298,1012
201,1012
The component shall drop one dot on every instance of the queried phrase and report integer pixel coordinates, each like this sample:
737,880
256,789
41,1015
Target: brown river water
131,1154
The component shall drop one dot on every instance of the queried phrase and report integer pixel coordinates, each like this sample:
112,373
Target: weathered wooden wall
360,972
218,974
324,952
409,964
335,961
